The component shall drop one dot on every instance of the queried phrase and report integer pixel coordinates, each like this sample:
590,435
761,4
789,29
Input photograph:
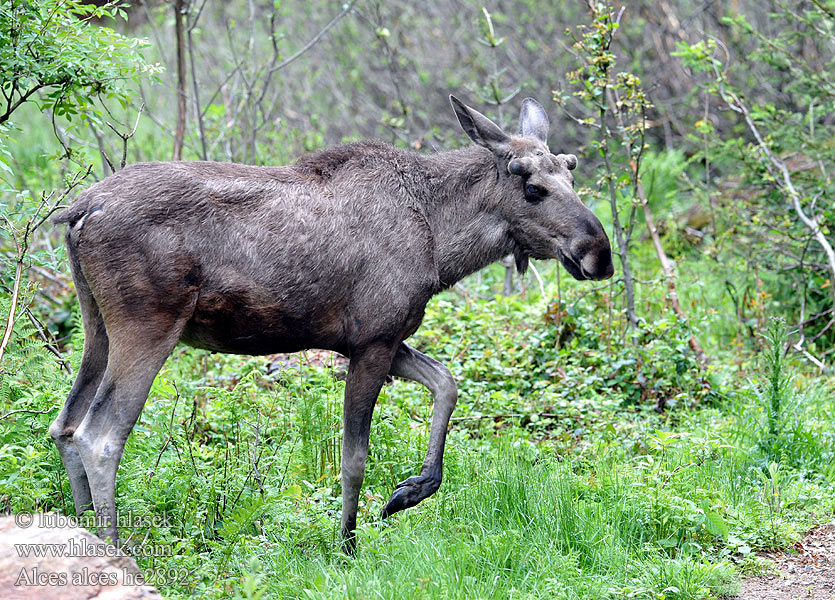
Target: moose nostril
605,266
604,257
598,264
608,270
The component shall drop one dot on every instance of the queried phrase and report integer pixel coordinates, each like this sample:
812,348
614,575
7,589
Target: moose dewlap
341,250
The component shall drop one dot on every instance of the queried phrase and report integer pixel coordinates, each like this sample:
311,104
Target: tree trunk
180,7
622,237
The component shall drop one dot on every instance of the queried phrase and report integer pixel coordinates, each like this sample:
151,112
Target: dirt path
809,572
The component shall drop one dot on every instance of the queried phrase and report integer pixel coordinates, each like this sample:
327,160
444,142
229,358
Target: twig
11,107
125,137
105,158
314,39
539,281
10,321
74,183
25,410
197,111
669,270
170,427
822,331
255,456
49,344
820,365
50,276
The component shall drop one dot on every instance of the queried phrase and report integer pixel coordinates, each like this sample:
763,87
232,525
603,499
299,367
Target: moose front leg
411,364
366,374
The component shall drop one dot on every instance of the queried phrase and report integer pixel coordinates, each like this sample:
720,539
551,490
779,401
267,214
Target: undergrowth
562,478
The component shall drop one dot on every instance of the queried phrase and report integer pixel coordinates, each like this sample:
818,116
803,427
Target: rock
73,564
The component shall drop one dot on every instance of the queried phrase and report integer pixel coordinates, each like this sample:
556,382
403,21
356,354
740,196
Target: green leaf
714,522
292,491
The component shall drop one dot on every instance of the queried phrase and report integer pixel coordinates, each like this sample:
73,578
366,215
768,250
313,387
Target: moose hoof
410,492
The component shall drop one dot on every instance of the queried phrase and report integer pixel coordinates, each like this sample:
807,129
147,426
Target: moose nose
597,264
594,256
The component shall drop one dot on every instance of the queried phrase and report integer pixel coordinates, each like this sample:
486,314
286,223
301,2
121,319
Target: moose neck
462,213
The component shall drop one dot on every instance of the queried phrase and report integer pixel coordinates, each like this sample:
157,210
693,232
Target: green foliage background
587,458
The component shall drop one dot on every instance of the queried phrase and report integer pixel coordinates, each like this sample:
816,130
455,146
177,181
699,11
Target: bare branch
27,411
314,39
48,339
125,137
11,107
10,320
74,183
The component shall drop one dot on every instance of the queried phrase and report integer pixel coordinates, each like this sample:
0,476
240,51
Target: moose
341,250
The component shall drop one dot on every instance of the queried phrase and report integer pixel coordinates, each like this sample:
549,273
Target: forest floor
310,358
807,571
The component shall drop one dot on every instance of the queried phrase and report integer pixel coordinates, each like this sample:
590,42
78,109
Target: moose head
544,215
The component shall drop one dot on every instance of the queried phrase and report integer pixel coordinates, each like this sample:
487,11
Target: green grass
561,481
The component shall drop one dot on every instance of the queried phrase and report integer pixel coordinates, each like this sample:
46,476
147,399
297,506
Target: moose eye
534,193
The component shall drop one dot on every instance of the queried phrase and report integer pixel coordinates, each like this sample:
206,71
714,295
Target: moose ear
481,130
533,122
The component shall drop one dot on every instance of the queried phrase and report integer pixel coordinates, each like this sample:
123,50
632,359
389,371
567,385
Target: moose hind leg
93,364
136,356
411,364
